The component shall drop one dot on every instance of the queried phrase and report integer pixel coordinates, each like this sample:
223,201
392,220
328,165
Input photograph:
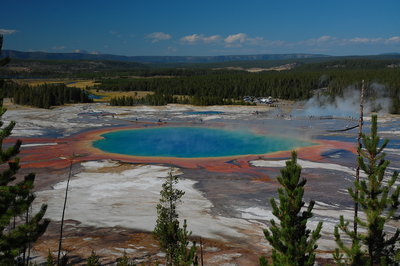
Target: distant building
262,100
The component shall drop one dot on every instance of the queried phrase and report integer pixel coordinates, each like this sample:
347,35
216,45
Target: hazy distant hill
153,59
41,64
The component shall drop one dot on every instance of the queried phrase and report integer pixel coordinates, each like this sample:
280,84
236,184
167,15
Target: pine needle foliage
93,260
173,240
50,259
17,228
379,201
185,256
167,224
292,243
124,260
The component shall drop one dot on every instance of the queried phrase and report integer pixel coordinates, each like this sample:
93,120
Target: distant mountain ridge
153,59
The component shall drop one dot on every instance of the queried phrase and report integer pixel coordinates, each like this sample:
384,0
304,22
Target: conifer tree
124,260
17,228
167,224
50,259
292,242
93,259
379,200
172,239
185,256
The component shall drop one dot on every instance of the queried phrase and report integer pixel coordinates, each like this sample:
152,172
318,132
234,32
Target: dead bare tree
360,124
63,212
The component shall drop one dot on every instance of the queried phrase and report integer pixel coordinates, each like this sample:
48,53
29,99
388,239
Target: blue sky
202,27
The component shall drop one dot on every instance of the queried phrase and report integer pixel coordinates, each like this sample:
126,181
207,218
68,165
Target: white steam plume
348,105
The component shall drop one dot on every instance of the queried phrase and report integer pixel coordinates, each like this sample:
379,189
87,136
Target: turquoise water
192,142
204,113
93,96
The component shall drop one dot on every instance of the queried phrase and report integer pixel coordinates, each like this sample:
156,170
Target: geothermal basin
193,142
113,193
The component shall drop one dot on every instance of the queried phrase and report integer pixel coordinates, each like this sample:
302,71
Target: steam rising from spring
348,104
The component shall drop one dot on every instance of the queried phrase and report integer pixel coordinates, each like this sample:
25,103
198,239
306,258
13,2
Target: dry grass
79,83
34,82
7,103
82,84
107,95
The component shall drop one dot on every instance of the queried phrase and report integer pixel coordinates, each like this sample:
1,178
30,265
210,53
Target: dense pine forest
214,83
230,87
44,96
163,99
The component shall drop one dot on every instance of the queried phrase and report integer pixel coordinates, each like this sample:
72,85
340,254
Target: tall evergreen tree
379,201
172,239
167,224
17,228
292,242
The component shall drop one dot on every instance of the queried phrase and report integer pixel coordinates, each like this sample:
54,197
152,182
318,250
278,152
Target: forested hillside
153,59
64,67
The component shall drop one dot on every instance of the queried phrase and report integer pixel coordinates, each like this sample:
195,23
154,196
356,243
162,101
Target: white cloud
191,38
244,43
371,41
212,38
256,41
158,36
236,38
231,41
359,40
330,41
7,32
365,40
196,38
324,38
394,39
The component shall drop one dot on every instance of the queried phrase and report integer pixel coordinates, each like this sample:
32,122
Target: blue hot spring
192,142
